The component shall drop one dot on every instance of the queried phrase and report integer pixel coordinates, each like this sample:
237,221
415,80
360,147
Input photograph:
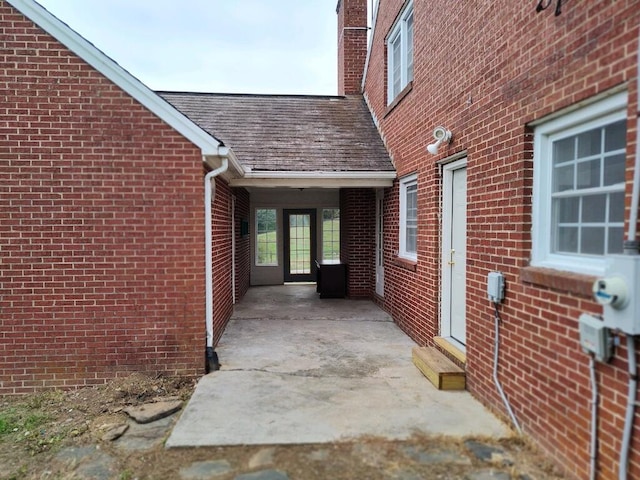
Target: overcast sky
235,46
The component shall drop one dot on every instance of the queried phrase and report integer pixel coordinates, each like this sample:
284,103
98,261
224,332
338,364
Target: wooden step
442,372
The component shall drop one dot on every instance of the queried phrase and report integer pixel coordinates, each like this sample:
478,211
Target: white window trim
399,29
404,183
257,246
601,112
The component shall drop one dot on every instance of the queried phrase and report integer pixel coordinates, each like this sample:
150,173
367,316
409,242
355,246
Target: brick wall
101,226
243,244
485,71
352,45
357,240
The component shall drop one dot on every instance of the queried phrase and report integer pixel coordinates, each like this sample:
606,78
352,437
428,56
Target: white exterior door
380,242
454,253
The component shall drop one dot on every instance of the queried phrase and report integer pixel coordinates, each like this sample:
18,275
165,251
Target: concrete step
442,372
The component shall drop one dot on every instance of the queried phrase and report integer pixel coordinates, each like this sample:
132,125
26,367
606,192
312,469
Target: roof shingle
289,132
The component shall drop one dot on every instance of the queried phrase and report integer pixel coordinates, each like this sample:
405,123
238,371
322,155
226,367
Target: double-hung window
579,182
400,53
409,218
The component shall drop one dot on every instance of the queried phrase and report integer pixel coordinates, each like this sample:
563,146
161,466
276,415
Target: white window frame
405,183
598,113
400,33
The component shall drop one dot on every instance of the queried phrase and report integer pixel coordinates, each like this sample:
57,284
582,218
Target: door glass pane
300,243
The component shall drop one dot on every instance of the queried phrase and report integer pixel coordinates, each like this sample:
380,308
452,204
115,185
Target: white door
454,252
380,242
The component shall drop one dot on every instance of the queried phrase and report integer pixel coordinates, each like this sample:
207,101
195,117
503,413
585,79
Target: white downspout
209,195
631,246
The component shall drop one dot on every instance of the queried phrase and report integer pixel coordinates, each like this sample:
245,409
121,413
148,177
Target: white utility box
619,293
595,337
495,287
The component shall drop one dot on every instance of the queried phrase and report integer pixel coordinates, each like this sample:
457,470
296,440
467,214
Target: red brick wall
352,45
101,226
357,240
485,71
222,258
243,246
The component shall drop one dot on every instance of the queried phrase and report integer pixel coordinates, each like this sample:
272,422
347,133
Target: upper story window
400,53
409,218
579,182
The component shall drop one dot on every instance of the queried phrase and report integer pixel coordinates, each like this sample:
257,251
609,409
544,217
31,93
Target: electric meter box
619,293
595,337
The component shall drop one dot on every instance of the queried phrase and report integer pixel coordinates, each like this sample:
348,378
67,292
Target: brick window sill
396,101
406,264
575,283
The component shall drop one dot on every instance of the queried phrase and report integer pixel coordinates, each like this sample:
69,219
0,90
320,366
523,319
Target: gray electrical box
495,287
595,337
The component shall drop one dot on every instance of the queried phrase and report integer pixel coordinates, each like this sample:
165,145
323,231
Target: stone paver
90,463
205,470
264,475
150,412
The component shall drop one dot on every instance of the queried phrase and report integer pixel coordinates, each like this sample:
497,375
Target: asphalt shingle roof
289,132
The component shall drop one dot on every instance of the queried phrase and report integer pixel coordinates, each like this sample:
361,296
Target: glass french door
299,245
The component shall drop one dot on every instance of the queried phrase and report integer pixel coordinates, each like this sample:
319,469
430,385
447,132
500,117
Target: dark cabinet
331,280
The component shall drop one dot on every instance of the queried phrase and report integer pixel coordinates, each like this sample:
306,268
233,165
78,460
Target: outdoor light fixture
442,135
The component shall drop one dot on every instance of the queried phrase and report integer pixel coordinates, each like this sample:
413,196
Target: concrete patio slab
297,369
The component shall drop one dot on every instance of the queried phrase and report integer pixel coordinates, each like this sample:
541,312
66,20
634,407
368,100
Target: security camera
441,135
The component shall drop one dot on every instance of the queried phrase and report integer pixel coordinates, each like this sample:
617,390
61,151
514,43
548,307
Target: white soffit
319,179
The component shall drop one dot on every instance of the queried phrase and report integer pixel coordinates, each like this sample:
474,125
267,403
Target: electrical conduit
631,403
631,248
495,370
209,194
594,419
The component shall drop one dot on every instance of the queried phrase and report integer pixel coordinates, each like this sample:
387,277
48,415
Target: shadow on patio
297,369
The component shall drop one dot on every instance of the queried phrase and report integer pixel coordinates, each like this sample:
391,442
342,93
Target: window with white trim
400,54
266,237
579,182
409,218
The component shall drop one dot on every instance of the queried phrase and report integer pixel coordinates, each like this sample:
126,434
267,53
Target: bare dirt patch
34,428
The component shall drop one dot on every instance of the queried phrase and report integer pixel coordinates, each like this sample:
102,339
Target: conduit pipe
631,248
211,358
495,370
631,404
593,472
635,192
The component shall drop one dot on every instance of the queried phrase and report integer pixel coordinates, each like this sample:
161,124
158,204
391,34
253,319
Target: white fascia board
118,75
318,179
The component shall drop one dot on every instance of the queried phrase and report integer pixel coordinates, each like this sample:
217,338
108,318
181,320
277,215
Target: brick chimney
352,45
